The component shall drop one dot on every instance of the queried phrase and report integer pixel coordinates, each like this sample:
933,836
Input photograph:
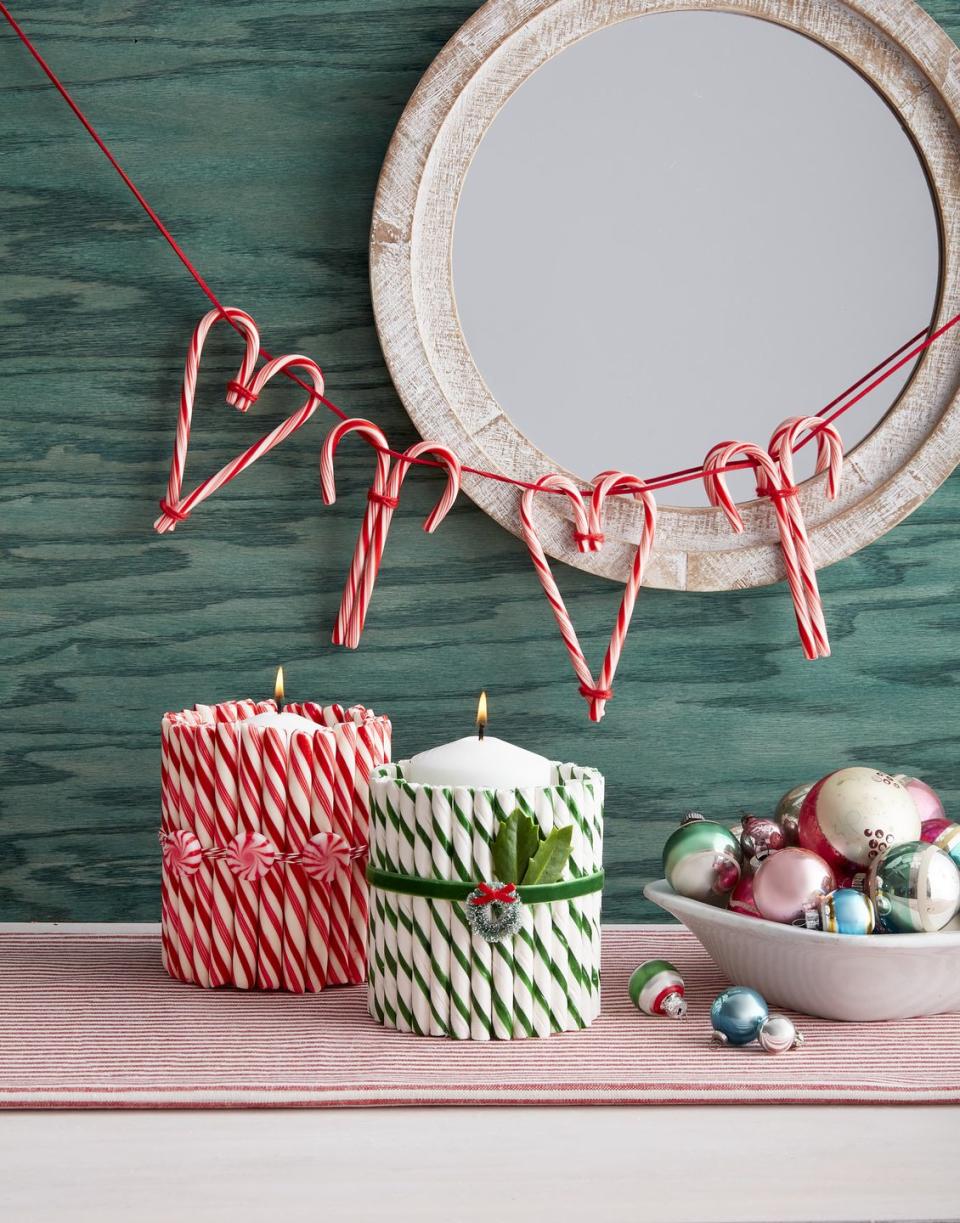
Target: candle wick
480,729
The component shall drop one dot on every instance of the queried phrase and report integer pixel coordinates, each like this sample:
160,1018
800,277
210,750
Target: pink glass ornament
852,816
741,898
787,882
925,798
932,828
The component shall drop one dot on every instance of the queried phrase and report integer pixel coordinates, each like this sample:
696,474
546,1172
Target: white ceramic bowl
836,976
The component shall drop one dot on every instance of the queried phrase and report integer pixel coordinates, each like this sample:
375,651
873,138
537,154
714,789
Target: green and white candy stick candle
486,874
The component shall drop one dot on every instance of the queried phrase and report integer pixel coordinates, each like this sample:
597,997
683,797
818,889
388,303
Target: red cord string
835,408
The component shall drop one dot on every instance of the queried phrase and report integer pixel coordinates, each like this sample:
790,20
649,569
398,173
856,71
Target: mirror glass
682,229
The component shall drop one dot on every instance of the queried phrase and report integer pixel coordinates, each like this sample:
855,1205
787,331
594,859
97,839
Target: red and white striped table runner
93,1021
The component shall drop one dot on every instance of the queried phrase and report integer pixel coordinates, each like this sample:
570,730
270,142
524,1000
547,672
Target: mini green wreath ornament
520,856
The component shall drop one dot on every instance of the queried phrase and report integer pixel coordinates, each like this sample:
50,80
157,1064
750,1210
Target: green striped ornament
435,976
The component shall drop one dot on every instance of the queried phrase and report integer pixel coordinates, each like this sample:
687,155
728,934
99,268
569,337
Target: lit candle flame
481,715
278,686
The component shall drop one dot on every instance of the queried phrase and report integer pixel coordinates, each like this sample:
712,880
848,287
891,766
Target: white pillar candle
486,763
287,722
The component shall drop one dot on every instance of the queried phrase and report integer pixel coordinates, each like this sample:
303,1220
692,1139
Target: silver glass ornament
778,1035
915,887
787,811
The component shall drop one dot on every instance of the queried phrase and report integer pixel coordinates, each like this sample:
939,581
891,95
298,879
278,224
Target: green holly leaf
549,862
517,840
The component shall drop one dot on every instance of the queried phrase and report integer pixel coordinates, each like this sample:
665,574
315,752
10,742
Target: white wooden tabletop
717,1163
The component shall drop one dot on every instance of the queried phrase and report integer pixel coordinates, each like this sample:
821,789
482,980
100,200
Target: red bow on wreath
506,894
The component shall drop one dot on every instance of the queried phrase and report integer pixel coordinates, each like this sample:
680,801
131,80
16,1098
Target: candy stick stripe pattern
258,886
588,535
541,980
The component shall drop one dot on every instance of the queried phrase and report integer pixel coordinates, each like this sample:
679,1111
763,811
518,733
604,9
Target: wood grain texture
258,129
898,49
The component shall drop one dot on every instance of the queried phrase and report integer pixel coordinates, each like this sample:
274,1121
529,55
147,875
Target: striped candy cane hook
770,479
237,397
377,492
588,533
175,510
387,504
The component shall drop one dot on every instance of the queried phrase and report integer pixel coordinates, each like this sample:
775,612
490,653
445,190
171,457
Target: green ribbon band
444,889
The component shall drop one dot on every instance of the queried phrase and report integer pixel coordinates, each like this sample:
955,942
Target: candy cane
226,826
387,504
175,510
295,900
204,740
250,805
769,473
178,950
829,459
588,535
270,946
236,391
377,491
329,900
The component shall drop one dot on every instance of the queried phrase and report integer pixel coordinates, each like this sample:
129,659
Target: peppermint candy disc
250,855
182,853
324,855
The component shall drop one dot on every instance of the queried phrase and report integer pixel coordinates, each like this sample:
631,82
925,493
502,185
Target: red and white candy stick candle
264,818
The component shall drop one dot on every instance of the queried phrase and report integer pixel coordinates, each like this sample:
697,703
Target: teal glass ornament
737,1015
702,860
843,911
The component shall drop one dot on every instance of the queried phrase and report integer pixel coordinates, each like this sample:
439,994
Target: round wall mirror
620,236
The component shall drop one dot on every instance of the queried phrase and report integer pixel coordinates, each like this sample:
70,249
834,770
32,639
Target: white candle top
287,722
487,763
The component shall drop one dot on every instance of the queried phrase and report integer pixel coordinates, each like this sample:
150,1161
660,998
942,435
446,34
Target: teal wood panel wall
257,128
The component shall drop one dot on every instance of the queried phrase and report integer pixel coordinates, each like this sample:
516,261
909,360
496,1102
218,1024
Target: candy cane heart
770,479
237,397
588,535
366,429
387,505
177,511
829,459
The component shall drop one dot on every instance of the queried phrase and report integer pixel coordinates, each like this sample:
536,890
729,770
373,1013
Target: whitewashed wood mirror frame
895,46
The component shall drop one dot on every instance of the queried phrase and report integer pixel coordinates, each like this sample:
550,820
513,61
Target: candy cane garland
588,535
386,505
369,431
176,510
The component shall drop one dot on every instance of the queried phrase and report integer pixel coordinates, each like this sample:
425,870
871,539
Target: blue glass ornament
737,1015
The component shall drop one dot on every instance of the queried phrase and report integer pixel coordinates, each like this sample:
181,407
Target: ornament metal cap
674,1005
692,817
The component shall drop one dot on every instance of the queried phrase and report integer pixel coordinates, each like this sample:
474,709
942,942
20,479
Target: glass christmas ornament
789,882
760,838
944,834
787,811
851,816
737,1015
843,911
925,798
915,887
702,860
657,989
778,1035
741,898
